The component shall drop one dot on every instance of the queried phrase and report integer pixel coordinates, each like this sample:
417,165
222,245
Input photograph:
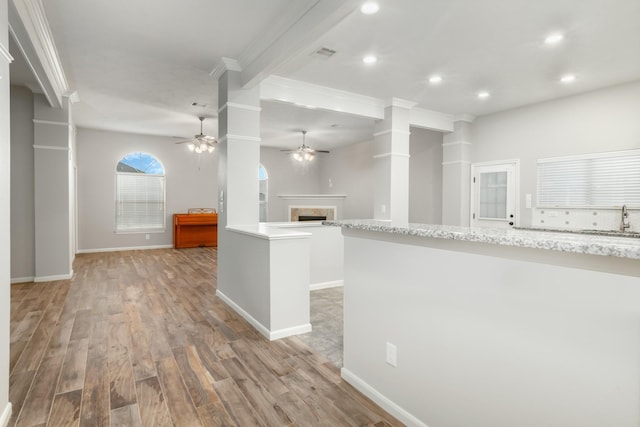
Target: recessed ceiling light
483,94
370,59
554,38
435,79
568,78
369,8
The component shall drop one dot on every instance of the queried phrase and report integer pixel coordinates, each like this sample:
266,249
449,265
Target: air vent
324,53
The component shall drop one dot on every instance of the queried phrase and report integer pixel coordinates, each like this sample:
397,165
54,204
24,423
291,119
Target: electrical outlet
146,236
392,353
528,201
383,208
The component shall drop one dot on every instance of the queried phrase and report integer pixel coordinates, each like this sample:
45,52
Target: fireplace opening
312,218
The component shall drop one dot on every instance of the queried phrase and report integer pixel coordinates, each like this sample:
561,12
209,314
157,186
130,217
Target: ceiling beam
304,25
30,30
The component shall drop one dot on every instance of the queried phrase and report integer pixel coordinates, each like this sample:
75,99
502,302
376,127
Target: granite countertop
623,247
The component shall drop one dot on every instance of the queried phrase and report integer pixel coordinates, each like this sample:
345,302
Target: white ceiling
139,65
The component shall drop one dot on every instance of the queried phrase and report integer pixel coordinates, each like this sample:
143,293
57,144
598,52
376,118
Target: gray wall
22,185
287,177
191,181
425,176
350,170
599,121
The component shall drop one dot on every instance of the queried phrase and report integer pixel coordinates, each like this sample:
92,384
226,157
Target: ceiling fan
201,143
304,153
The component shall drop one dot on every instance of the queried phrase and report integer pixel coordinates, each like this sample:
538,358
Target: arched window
263,177
140,194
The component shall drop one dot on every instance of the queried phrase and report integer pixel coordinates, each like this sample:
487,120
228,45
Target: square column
391,164
456,170
53,190
239,151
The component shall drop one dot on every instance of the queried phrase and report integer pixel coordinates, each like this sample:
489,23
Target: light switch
527,200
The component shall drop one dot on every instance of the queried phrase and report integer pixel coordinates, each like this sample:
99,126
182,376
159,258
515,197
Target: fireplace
312,207
312,213
312,217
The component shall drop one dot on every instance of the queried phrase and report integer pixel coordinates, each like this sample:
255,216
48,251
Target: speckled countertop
623,247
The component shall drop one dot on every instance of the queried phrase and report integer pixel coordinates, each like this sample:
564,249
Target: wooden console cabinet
195,230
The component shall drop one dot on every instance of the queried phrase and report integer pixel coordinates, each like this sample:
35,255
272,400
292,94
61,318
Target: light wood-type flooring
138,338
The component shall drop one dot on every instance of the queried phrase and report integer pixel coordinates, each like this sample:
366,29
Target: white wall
22,184
425,176
287,177
191,181
599,121
515,338
5,201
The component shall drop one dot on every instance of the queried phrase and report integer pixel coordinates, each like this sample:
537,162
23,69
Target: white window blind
594,180
140,202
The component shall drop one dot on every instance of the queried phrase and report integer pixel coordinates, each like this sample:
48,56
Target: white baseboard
22,279
264,331
289,332
326,285
382,401
127,248
53,278
6,415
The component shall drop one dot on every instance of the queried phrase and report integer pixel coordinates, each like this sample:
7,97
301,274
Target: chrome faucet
624,220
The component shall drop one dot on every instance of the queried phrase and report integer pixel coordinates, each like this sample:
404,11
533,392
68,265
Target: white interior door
494,194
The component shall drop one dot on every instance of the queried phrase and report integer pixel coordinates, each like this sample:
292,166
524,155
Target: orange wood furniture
195,230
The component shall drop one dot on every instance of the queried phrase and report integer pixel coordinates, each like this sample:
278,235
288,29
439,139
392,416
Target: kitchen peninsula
492,327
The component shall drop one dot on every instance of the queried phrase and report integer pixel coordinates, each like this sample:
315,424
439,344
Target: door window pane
493,195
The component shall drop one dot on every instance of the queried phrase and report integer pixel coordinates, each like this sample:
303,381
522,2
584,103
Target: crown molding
402,103
240,106
225,64
72,96
30,28
307,95
4,53
434,120
394,131
464,118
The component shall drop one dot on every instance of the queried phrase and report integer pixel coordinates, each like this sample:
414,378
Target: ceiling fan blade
185,141
321,151
288,151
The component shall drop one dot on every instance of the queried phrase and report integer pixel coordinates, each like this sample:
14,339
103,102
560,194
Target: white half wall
267,278
191,182
598,121
504,341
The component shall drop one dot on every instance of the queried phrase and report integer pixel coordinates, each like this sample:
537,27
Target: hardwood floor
137,338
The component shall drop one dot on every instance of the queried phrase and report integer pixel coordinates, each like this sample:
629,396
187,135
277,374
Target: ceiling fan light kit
304,153
201,143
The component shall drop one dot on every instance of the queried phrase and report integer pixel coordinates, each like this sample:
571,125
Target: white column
239,150
5,240
456,165
53,201
239,159
391,164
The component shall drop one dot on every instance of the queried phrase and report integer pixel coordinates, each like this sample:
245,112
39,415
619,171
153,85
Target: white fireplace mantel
312,196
